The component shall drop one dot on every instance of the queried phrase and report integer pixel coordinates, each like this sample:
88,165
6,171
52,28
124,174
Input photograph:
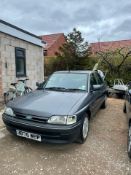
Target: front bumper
49,133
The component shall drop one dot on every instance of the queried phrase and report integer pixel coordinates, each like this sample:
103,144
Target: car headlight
63,120
71,119
9,111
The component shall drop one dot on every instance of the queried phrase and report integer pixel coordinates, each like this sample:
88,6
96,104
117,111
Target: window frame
92,76
98,78
24,58
45,52
95,76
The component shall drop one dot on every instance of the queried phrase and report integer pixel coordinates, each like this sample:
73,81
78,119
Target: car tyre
84,129
124,108
129,143
103,106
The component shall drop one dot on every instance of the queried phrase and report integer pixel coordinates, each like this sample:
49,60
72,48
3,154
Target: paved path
104,152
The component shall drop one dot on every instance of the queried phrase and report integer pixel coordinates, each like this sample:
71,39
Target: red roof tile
53,42
111,45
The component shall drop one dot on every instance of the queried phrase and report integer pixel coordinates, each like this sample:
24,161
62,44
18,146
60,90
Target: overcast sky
96,19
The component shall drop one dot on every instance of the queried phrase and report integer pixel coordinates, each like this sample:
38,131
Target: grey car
127,109
60,109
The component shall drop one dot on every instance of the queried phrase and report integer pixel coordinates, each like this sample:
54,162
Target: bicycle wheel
8,96
27,89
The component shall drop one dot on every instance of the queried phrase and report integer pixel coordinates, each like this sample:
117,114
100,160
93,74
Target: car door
128,100
101,91
94,95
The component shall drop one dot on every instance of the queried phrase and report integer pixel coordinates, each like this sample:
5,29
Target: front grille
30,118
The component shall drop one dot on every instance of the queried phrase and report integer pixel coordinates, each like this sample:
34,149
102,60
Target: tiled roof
51,39
17,32
53,42
111,45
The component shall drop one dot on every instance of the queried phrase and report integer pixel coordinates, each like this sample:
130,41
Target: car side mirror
129,92
97,87
40,85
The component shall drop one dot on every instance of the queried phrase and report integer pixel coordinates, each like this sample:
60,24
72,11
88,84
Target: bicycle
16,89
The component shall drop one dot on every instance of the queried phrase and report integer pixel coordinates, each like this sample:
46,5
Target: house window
45,52
20,62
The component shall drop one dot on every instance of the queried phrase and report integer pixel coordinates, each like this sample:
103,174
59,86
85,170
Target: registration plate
28,135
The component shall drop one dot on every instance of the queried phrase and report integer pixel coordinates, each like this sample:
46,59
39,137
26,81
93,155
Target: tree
117,62
74,51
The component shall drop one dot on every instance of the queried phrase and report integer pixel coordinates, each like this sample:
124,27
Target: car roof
76,71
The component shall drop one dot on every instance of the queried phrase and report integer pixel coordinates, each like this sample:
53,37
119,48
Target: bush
53,64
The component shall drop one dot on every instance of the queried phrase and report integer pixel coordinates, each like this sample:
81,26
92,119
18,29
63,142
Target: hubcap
85,127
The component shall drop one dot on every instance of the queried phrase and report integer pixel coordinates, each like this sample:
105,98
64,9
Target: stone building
21,56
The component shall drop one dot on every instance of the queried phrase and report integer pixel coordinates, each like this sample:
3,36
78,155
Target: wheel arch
129,122
88,112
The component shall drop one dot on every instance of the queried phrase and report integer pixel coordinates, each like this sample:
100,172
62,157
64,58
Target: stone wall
34,62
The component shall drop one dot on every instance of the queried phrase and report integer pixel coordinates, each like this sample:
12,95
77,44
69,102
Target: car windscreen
68,81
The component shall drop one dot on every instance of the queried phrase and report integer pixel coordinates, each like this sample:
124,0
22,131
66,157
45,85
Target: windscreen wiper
55,88
75,89
63,89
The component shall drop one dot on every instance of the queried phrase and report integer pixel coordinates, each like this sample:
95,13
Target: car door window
93,80
129,85
98,79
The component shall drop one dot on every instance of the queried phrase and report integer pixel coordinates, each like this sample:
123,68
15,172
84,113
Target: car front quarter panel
83,110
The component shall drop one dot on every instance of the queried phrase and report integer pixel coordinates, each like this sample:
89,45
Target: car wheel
129,142
84,129
103,106
124,108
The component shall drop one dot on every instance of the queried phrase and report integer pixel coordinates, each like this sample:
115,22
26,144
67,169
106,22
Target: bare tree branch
109,55
104,56
124,56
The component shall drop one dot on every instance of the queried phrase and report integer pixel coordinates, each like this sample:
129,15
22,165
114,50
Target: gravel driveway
104,152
